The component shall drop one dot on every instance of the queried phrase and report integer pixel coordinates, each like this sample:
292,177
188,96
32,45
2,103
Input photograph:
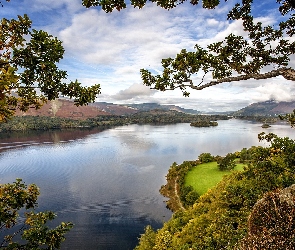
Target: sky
110,49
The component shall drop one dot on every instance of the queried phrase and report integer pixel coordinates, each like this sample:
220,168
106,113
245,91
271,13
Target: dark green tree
29,75
188,195
227,162
205,157
245,155
34,230
147,240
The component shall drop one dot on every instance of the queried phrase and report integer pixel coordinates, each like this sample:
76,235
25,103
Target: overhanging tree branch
287,73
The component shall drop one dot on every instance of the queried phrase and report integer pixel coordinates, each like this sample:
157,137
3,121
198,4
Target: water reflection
107,182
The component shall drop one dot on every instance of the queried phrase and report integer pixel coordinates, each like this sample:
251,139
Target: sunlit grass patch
206,176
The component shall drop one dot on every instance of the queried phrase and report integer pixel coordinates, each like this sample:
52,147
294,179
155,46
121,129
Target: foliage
235,58
204,123
147,240
35,232
289,118
109,6
188,195
44,123
227,162
28,69
219,218
245,155
205,157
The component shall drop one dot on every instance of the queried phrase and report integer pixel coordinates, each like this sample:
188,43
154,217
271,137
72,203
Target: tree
245,154
29,75
34,231
289,118
235,58
147,240
227,162
205,157
188,195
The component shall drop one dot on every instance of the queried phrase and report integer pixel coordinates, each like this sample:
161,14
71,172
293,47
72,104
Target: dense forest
147,117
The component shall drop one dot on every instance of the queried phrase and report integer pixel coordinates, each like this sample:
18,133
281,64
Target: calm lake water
107,182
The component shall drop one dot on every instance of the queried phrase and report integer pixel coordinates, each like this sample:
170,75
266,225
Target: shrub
206,157
227,162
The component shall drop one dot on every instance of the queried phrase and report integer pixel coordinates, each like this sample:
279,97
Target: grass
206,176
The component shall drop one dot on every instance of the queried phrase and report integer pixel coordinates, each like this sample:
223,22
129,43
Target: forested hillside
246,210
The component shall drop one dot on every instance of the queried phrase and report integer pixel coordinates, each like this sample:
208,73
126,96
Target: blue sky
111,48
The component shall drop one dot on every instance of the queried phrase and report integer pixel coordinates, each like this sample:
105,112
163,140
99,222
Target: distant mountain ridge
65,108
267,108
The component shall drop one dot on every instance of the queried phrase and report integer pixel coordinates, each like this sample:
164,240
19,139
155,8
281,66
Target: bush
206,157
34,231
227,162
188,195
147,240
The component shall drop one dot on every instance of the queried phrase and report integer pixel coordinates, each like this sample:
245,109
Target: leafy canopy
34,230
28,69
235,58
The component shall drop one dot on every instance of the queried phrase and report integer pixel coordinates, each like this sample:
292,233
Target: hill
66,109
127,109
267,108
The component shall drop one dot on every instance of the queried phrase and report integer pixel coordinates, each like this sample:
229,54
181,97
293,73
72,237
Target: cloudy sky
110,49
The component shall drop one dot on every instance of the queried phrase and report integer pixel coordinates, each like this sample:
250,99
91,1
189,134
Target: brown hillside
284,107
66,109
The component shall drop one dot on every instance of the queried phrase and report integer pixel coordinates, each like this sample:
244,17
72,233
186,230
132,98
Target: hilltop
64,108
267,108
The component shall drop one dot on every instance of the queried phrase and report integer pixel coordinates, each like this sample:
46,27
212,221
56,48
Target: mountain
152,106
127,109
65,108
267,108
114,109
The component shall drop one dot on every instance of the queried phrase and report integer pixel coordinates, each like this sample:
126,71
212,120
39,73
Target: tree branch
287,73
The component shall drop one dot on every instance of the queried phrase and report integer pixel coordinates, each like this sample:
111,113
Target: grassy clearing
206,176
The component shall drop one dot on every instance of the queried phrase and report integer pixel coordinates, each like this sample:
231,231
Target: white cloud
136,37
134,91
111,48
212,22
278,89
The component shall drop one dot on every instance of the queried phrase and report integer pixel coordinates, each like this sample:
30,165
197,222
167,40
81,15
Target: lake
107,182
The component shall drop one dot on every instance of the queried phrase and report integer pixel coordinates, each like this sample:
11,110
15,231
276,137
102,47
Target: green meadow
206,175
